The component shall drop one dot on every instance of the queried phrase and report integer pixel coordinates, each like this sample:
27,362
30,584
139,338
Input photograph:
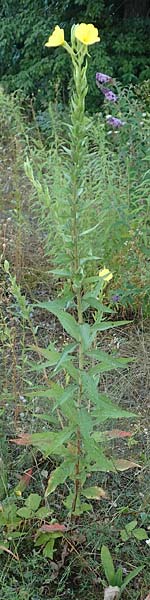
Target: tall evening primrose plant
77,406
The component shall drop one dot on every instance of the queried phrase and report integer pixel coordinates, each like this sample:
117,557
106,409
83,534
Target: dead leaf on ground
124,465
23,440
53,527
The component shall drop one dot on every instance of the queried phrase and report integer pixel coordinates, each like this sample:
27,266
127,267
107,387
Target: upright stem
77,159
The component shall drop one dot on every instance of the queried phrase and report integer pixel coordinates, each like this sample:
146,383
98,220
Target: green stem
78,135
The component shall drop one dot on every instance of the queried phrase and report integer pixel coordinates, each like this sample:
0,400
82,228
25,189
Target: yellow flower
57,38
87,34
18,493
105,274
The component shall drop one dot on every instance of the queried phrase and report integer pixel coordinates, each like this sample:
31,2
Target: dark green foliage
44,74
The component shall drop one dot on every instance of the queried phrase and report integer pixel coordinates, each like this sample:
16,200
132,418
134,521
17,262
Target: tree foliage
27,65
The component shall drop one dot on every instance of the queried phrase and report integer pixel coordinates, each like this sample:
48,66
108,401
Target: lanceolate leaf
109,364
94,493
85,335
60,475
104,325
67,321
85,423
96,457
118,577
70,325
105,409
131,576
49,443
94,303
108,564
67,394
62,357
53,391
103,436
51,355
54,306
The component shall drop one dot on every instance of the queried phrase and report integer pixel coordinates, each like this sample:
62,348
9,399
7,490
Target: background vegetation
25,63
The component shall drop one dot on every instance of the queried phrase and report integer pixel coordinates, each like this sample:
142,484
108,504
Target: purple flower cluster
102,78
114,121
109,95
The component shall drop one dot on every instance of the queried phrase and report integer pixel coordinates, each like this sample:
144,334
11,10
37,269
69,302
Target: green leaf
72,371
41,366
67,321
54,391
108,564
48,551
66,395
70,325
84,507
42,538
130,526
87,231
81,507
43,512
59,475
51,355
33,502
24,512
110,365
68,350
104,325
97,459
131,576
85,423
54,306
60,273
85,335
105,409
51,443
94,303
107,362
124,535
45,417
140,534
118,577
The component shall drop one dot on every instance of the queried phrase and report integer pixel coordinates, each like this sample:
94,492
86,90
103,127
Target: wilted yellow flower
87,34
57,38
105,274
18,493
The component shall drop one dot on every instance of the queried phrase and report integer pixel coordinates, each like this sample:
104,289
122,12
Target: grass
76,574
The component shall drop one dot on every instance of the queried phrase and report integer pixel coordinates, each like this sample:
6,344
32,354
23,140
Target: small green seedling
131,530
115,578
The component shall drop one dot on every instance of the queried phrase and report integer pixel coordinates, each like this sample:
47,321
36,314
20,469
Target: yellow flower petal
105,274
56,39
87,34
